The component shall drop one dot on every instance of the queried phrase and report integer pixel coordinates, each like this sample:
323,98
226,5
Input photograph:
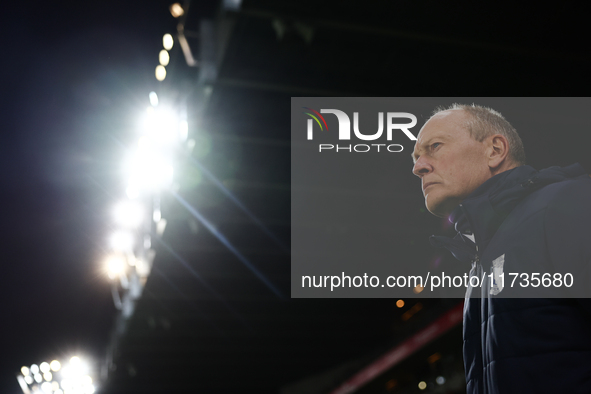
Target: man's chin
440,209
438,213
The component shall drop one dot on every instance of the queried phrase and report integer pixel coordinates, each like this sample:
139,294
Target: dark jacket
527,221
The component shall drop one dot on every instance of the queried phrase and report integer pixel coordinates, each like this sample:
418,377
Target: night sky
75,76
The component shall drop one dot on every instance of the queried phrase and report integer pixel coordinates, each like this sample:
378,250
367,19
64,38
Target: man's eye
435,145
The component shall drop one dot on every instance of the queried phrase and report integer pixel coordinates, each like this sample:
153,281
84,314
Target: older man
512,219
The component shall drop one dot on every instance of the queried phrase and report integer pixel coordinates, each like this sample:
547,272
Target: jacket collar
485,209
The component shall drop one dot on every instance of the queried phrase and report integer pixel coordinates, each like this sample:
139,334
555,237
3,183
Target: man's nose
422,167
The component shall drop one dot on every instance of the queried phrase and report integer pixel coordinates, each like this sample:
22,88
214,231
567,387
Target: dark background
74,76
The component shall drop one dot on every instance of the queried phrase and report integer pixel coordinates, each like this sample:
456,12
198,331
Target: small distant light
176,10
55,365
164,57
160,72
440,380
29,379
46,387
66,384
25,371
400,303
153,99
55,386
48,376
34,368
417,289
434,357
157,215
38,378
44,367
390,384
167,42
422,385
131,260
58,391
161,226
75,361
87,380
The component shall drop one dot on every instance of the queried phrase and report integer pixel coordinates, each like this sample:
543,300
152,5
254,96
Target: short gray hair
486,122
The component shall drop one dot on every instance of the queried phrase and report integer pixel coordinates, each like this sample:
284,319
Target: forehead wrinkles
443,126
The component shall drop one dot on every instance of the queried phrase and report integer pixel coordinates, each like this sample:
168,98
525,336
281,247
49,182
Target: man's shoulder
566,196
569,195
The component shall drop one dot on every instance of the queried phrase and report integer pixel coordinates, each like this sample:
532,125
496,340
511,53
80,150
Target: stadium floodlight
161,126
160,72
148,171
153,99
121,241
176,10
66,384
128,214
55,365
75,378
44,367
115,267
164,57
46,387
167,41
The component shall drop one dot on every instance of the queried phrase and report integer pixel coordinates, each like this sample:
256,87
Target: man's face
449,162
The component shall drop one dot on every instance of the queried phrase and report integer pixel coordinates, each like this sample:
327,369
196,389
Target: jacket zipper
483,332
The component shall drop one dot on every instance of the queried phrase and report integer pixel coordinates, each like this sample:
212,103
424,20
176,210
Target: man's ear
498,150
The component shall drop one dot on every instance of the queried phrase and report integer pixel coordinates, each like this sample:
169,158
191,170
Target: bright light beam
235,200
227,243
